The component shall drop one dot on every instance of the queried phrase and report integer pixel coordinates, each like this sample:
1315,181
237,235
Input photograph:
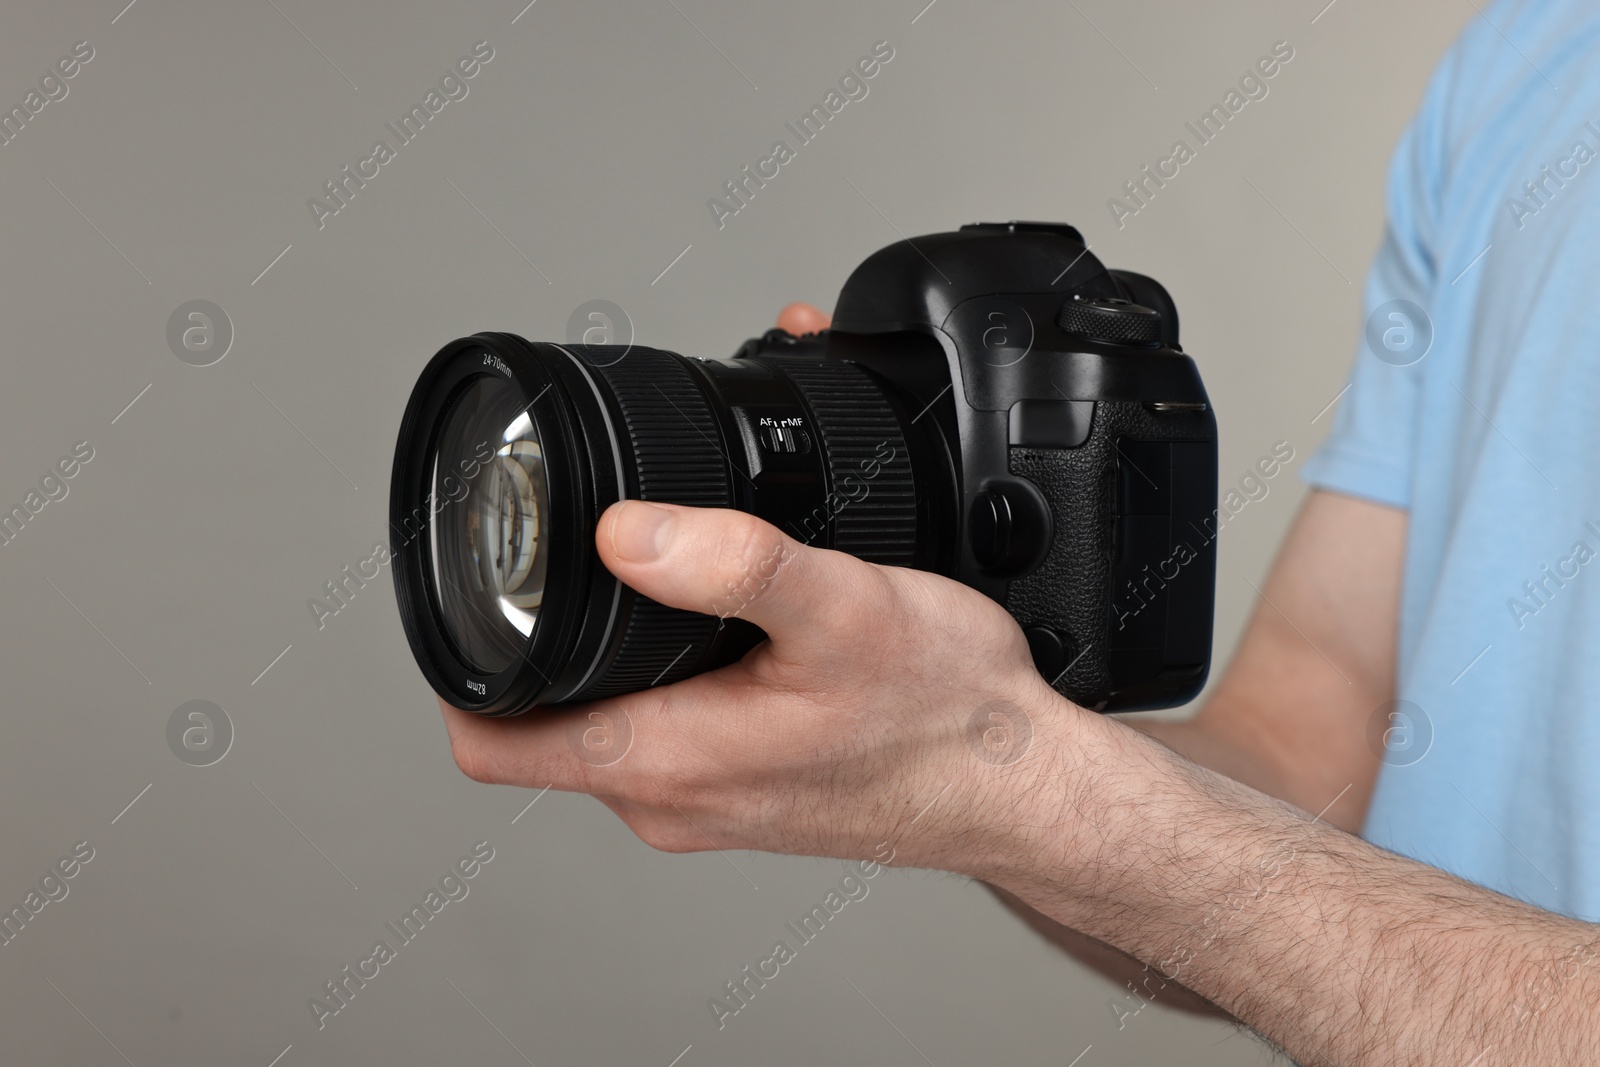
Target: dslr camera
991,404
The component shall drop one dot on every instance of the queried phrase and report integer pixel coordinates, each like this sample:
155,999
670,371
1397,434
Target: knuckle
664,837
679,845
749,558
670,792
485,758
873,597
475,760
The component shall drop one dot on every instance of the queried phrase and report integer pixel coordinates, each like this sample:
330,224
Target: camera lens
488,554
510,451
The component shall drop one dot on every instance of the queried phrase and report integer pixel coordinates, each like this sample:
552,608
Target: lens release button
990,528
1009,527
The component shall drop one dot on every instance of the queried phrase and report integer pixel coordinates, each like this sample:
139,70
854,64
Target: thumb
802,319
729,563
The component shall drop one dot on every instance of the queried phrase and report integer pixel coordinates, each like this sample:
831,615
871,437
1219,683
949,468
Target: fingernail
641,531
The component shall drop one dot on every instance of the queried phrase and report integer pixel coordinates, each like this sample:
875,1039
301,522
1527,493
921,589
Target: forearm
1196,740
1199,741
1141,985
1323,767
1336,950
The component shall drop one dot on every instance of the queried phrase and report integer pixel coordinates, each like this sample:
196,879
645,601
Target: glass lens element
489,529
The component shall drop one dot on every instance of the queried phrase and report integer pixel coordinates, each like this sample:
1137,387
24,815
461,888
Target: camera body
1080,443
991,404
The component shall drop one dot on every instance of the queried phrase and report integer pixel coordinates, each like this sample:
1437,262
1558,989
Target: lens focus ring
672,457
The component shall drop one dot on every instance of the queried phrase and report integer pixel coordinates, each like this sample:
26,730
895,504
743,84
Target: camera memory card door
1163,556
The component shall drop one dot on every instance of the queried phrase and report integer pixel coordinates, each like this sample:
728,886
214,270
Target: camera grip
1138,587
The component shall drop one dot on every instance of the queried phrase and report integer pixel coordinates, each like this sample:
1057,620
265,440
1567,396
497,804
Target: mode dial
1111,319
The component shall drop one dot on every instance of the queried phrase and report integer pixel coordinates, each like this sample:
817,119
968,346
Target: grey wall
181,560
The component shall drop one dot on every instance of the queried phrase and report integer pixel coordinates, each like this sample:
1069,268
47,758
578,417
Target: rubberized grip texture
1071,590
671,456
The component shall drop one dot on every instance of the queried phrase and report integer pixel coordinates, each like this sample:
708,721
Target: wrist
1155,855
1106,831
1063,817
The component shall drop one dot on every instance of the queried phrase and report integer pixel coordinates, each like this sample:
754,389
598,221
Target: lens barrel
510,450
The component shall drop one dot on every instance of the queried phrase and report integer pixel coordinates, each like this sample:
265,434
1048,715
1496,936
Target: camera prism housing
990,404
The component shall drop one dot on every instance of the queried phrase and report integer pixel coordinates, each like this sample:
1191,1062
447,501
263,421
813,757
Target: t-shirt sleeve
1370,449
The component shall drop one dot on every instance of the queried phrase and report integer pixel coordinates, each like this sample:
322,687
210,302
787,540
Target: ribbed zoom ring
668,430
873,508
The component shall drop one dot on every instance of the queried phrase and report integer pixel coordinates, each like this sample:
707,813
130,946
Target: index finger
802,318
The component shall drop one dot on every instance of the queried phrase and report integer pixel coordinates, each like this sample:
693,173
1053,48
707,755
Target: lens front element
489,548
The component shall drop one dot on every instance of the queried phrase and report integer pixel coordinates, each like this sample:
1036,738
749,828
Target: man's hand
880,718
876,716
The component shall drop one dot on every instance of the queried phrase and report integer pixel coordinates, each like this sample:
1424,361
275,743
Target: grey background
190,544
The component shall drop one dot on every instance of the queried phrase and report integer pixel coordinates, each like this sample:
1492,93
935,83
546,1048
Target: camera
991,404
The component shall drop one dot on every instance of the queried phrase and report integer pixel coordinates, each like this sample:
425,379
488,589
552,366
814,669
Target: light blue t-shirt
1491,441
